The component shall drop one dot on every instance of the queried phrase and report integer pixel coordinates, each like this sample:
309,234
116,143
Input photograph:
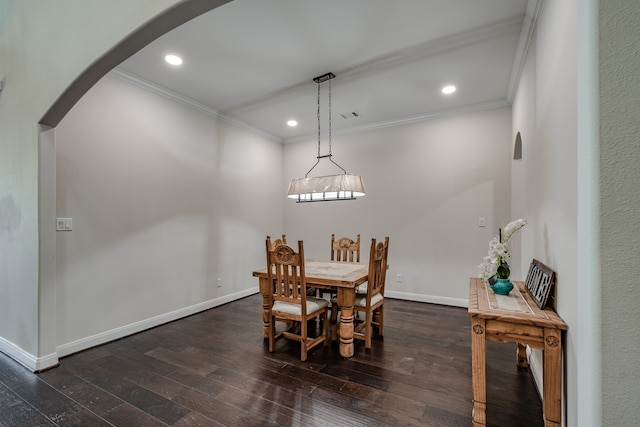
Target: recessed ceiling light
292,123
448,89
173,59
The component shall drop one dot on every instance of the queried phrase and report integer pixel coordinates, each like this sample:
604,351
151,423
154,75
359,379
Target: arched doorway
161,24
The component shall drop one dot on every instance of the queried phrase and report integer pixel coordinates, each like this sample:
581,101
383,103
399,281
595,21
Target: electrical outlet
219,283
398,278
482,222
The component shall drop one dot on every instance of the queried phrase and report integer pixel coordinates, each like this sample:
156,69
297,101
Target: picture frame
540,282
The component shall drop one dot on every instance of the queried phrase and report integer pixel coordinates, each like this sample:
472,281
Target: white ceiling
255,60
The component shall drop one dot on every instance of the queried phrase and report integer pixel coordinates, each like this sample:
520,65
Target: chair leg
303,340
325,328
367,331
272,334
380,312
334,323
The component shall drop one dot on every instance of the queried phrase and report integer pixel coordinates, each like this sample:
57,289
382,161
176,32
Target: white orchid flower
510,229
499,252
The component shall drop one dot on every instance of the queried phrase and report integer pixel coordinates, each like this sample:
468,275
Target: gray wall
619,155
578,184
427,184
600,390
545,180
170,207
34,38
169,203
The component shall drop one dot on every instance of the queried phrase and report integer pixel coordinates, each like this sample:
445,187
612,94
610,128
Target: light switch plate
64,224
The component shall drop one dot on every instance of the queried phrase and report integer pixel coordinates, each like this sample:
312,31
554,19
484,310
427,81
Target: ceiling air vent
350,115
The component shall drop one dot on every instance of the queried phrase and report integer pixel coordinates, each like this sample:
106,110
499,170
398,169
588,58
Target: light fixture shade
329,187
324,188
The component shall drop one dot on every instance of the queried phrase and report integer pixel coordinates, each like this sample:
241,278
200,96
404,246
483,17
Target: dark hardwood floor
214,369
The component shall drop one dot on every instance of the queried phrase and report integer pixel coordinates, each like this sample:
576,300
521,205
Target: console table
515,318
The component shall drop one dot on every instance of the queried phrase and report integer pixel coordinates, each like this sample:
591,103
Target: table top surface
517,307
331,273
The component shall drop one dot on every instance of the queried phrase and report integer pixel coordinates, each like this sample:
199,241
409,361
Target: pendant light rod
321,79
342,186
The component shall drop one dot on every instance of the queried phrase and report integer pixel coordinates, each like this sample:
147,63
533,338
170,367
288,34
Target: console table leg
552,378
522,356
478,370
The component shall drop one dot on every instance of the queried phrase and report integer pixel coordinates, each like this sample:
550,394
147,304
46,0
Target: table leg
478,370
521,354
265,291
346,300
552,378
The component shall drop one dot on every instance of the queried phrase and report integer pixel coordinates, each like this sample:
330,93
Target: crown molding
189,102
407,120
397,58
526,34
169,94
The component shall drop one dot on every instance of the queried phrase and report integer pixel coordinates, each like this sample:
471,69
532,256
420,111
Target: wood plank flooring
214,369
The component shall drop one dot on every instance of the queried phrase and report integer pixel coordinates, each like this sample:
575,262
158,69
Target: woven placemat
514,302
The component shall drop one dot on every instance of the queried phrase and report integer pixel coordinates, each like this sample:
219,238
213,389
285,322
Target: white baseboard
455,302
133,328
123,331
36,364
536,371
26,359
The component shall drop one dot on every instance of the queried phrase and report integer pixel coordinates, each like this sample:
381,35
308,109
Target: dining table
337,276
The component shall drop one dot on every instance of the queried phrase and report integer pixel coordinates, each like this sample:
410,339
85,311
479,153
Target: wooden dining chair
370,303
273,245
290,302
345,249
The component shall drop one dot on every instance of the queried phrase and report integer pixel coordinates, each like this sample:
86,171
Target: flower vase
502,286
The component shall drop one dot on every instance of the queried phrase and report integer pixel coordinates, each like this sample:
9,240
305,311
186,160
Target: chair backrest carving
345,249
278,242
